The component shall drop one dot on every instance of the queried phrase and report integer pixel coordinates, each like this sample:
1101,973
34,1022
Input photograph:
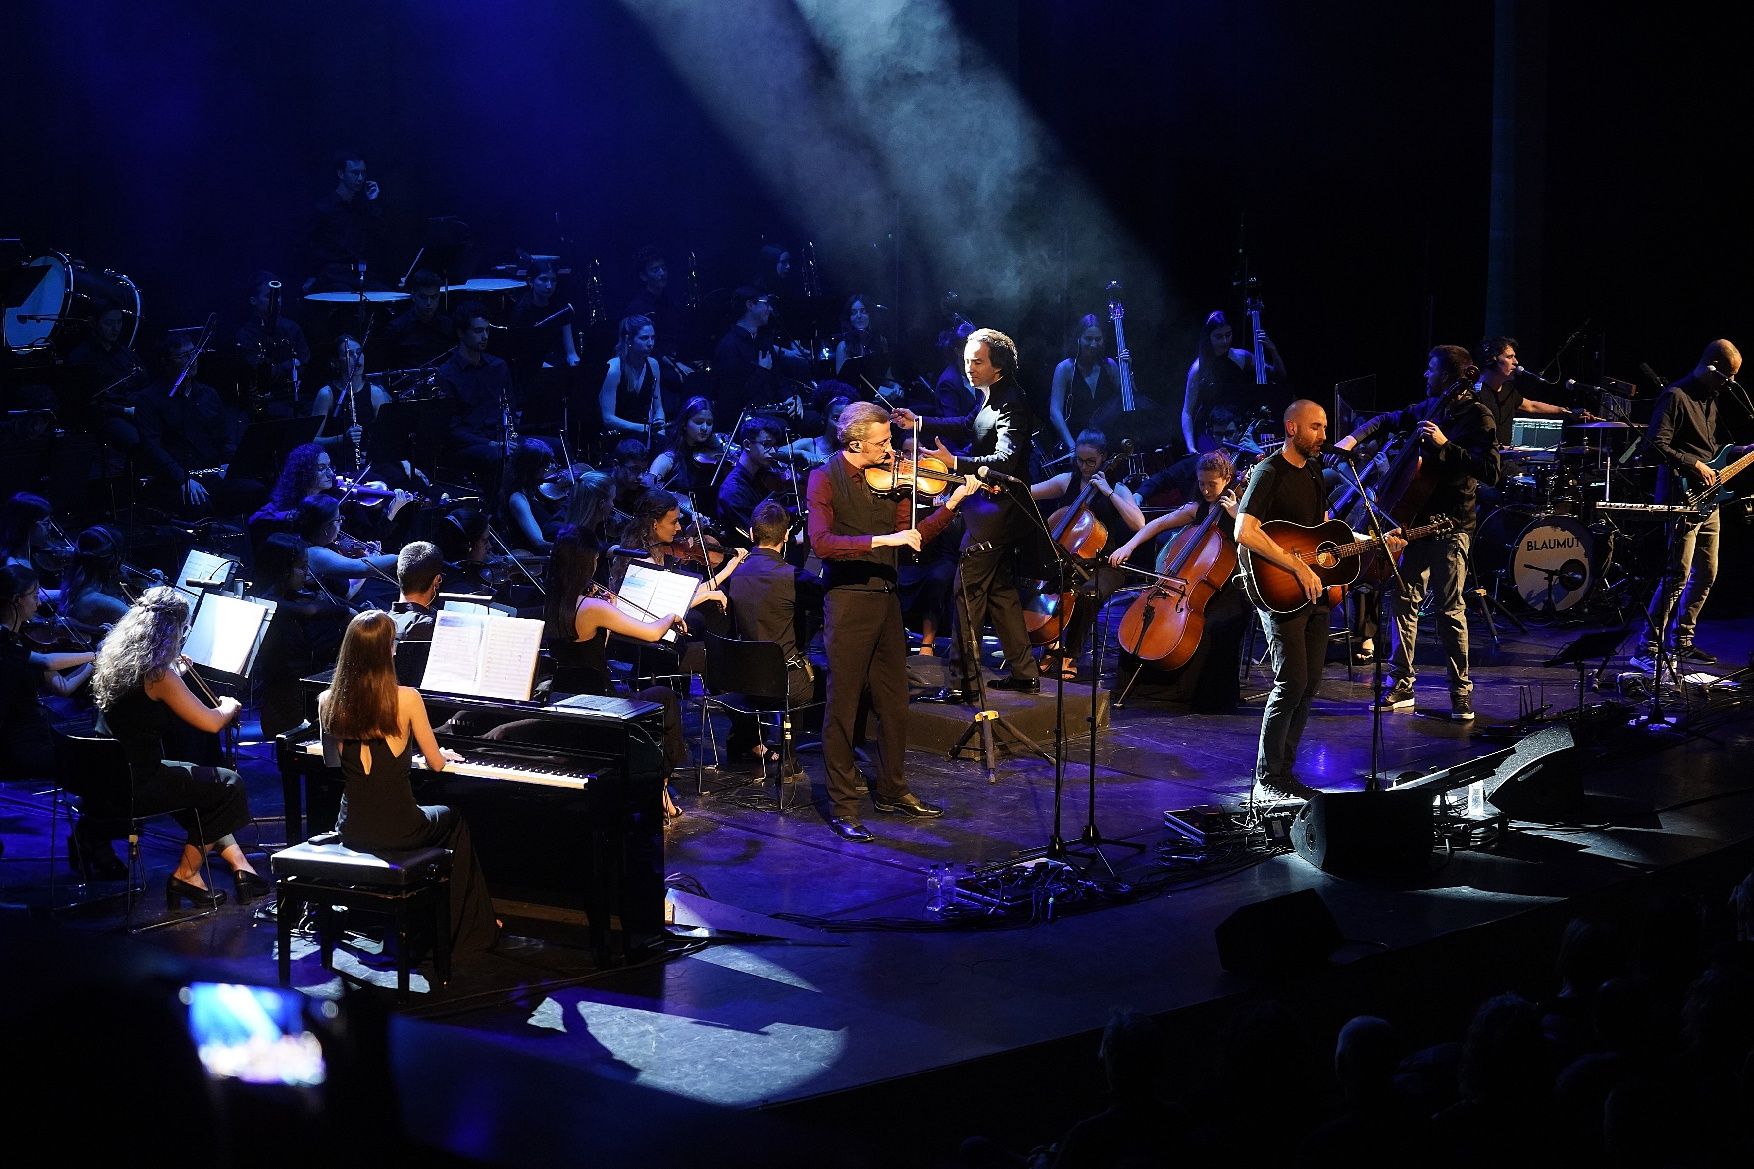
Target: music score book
482,656
647,593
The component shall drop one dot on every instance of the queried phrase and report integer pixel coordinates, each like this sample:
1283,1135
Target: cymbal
485,284
1598,426
370,296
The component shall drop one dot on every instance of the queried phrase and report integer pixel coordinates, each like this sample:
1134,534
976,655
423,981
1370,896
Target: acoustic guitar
1331,548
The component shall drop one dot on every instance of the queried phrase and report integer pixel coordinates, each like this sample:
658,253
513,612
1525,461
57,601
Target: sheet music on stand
226,633
647,593
480,606
203,572
483,656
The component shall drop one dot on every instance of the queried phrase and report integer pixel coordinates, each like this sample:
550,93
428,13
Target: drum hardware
1552,564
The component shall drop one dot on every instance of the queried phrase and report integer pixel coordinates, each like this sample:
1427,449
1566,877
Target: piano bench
323,873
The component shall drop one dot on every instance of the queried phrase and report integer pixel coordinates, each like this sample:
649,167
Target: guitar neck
1360,547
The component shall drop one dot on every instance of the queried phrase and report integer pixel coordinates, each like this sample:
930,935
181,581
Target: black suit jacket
764,594
999,431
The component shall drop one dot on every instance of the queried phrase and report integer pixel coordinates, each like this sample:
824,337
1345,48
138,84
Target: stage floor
822,979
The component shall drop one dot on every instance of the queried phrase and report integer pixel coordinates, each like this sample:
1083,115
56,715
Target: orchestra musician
632,398
1112,505
745,362
861,344
687,465
139,688
553,346
1085,382
348,405
528,517
272,348
342,566
755,475
27,671
656,302
1684,433
1214,672
187,436
1458,451
999,431
420,570
302,637
105,377
371,727
655,531
91,592
764,607
1223,375
421,334
815,449
346,229
857,532
483,408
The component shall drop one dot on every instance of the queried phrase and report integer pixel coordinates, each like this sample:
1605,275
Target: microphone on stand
630,553
994,476
1353,456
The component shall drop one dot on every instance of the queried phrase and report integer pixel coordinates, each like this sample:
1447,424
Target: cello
1407,483
1077,531
1165,623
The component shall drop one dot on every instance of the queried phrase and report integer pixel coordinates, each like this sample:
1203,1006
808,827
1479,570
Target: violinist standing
1114,507
1458,448
857,533
999,430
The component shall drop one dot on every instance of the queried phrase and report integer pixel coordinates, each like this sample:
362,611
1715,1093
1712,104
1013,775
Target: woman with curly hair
140,693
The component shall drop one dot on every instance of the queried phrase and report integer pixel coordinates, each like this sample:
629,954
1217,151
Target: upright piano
563,799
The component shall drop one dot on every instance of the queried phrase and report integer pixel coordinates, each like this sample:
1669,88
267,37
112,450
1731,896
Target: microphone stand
985,717
1373,781
1090,842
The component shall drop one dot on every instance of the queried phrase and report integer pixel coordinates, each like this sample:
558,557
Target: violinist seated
32,541
764,607
1091,531
464,537
93,597
1210,681
694,456
816,449
529,517
654,536
38,657
578,619
755,476
303,637
345,568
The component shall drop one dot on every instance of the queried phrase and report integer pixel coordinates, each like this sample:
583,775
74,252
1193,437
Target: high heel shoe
94,859
249,885
178,891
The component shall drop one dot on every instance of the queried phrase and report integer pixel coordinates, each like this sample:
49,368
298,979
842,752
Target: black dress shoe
249,885
176,892
947,696
851,831
907,805
1015,684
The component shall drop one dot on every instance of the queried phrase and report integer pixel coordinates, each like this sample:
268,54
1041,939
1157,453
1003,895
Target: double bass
1129,411
1165,623
1077,531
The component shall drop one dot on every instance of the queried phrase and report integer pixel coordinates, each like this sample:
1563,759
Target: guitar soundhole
1325,558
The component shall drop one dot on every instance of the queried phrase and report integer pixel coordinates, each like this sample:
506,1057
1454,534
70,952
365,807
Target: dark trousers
1299,645
986,592
867,654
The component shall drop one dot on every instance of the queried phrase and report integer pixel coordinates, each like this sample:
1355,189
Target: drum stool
323,873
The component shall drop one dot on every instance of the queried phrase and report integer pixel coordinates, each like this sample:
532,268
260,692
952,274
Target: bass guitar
1728,464
1331,548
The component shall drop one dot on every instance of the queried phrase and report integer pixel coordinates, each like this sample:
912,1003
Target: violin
896,477
689,550
51,635
374,492
558,484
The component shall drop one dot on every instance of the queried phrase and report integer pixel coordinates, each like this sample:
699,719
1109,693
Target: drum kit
1542,546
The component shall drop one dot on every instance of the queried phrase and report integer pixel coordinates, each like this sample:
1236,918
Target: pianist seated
371,727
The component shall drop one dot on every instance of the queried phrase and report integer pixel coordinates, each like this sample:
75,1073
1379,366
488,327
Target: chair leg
283,930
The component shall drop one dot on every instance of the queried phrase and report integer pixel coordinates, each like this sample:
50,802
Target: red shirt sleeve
823,540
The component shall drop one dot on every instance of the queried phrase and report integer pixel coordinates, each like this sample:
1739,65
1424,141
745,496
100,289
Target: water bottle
947,887
1477,800
935,888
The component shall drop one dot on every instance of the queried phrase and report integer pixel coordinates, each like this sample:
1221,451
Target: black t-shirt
1279,491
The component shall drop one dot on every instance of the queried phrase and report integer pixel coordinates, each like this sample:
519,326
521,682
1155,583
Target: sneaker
1644,663
1396,697
1277,788
1692,653
1461,710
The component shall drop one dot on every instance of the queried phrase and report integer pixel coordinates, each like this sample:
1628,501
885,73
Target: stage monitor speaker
1541,779
1356,834
1278,936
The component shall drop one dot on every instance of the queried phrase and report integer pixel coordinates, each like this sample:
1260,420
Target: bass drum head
1553,564
30,322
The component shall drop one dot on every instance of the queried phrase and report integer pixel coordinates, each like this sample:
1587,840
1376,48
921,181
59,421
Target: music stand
1597,646
419,427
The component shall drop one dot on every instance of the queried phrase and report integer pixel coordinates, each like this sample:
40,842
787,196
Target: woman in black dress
140,693
371,726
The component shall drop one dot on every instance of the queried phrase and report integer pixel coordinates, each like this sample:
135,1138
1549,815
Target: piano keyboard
512,766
